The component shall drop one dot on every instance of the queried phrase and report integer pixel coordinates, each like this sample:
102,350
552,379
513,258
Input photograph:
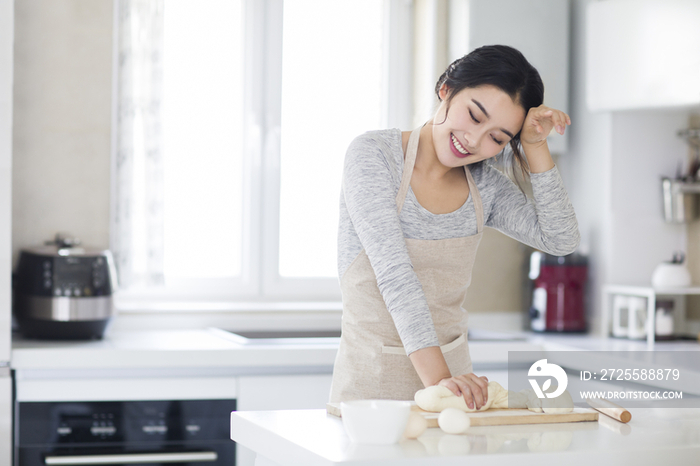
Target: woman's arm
370,185
538,124
549,223
432,370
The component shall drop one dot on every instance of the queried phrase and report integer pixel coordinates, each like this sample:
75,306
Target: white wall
586,168
612,172
62,121
644,148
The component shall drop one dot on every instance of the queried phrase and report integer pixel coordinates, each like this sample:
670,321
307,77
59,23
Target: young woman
412,212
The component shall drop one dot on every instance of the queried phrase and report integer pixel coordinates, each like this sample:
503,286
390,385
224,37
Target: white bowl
378,422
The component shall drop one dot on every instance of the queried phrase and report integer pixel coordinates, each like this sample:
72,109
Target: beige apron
371,363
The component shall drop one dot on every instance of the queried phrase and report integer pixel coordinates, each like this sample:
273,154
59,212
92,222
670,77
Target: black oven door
146,433
213,454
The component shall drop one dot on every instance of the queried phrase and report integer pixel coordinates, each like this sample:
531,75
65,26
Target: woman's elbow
565,244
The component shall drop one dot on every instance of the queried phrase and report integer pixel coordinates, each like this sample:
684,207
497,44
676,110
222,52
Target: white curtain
137,225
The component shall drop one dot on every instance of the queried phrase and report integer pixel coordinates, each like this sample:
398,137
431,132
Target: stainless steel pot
680,200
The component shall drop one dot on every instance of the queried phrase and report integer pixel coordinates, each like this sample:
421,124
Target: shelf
637,290
649,292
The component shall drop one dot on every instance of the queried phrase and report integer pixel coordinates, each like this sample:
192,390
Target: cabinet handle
133,458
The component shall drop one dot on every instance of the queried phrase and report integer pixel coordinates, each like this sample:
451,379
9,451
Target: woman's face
481,121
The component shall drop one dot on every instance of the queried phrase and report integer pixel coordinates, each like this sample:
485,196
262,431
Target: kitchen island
315,438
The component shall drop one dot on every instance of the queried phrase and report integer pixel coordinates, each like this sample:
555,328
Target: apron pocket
448,348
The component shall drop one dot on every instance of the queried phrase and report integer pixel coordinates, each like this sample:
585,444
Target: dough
560,405
437,398
454,421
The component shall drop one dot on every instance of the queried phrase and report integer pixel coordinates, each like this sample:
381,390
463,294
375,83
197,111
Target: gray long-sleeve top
369,220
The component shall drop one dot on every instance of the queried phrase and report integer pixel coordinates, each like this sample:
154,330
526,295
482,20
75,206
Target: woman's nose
473,139
480,136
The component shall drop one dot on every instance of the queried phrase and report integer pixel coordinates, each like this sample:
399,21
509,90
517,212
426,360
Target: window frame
260,280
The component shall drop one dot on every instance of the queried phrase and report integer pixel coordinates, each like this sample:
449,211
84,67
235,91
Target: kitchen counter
207,348
165,349
314,438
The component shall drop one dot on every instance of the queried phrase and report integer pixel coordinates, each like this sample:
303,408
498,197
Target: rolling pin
609,409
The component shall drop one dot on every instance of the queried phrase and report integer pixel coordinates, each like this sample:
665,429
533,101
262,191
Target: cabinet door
642,54
540,30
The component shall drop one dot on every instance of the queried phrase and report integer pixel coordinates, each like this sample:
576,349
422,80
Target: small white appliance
629,317
664,319
673,274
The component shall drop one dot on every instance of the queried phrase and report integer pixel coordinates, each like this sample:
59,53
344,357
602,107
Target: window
233,121
202,129
323,73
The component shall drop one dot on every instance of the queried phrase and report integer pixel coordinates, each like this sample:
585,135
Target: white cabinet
642,54
538,28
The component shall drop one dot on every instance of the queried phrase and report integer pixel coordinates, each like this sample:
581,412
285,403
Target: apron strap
476,199
410,162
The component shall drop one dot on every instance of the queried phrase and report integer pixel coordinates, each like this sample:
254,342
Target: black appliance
64,291
145,433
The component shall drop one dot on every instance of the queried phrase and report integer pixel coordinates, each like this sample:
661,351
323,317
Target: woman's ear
443,92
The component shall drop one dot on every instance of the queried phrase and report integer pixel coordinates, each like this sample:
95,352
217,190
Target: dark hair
503,67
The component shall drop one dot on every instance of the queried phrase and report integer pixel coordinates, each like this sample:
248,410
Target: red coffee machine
558,285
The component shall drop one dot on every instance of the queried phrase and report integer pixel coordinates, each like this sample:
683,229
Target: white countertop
202,348
313,438
207,349
163,349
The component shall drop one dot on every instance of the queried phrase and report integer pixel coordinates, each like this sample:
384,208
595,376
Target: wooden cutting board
501,417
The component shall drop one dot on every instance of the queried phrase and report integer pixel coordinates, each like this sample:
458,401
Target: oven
145,433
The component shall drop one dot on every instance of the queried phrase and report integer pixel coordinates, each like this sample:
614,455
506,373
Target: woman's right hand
473,388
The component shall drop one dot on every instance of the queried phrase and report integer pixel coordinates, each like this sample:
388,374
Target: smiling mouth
457,147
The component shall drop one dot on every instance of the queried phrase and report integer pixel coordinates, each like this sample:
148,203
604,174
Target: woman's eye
497,141
473,117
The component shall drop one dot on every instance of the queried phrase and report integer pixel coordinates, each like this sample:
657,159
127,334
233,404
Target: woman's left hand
539,123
